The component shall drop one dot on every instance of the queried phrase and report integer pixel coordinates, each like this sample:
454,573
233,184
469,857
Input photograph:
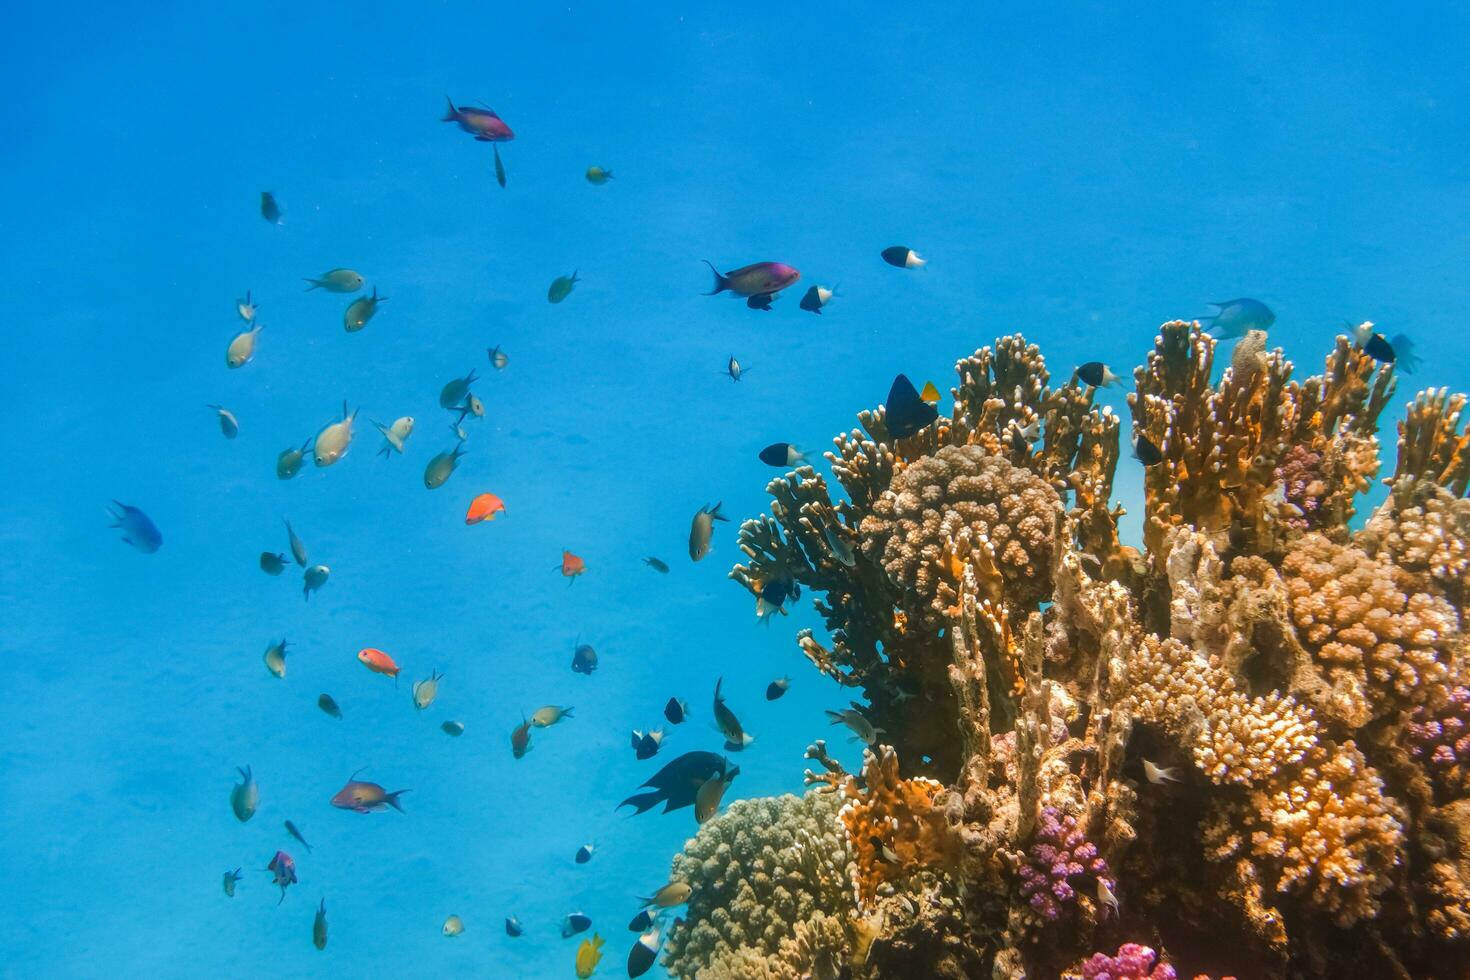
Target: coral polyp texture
1245,741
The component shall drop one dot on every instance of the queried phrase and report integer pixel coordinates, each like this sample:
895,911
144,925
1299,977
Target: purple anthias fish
283,871
483,124
754,280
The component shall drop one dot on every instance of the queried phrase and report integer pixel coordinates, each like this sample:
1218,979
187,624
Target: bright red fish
283,872
361,796
378,662
484,508
483,124
571,565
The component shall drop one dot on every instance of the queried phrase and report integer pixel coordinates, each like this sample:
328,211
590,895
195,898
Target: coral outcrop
1247,742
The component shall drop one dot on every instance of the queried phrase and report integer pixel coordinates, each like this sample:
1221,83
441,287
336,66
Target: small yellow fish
674,893
275,658
930,394
453,926
425,691
589,954
545,717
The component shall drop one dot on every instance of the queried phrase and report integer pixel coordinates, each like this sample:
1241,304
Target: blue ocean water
1079,173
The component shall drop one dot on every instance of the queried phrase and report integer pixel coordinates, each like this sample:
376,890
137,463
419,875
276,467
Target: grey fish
298,547
454,729
1237,317
245,797
361,310
329,704
453,393
499,167
442,466
314,578
295,833
728,724
337,281
289,463
701,529
231,878
561,287
657,564
319,926
270,209
137,528
228,424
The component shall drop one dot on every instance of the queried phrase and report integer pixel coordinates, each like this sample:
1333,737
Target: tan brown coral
894,825
1424,530
1381,648
1005,508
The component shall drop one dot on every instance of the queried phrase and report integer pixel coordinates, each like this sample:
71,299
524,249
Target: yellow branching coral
1332,836
1007,510
893,825
1381,648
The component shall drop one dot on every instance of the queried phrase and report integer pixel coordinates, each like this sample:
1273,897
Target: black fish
584,854
1146,452
676,784
328,704
778,590
1096,374
906,413
812,302
272,563
761,301
513,927
777,688
291,829
1379,349
643,954
645,746
584,660
675,711
656,564
776,454
901,256
575,923
499,167
269,209
641,922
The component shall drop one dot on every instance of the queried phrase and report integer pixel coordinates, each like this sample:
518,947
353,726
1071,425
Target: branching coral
1247,742
758,869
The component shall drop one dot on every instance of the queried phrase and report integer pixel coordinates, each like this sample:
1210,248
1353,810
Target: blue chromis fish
757,279
573,924
337,281
561,287
270,208
245,797
231,879
1237,317
902,257
137,528
361,310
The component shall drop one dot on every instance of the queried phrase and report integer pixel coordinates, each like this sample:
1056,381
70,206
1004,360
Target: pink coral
1133,962
1303,485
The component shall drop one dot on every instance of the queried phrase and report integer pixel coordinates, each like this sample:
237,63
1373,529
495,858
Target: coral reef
758,870
1248,742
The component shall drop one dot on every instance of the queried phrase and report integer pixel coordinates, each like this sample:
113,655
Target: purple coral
1133,962
1440,739
1059,855
1303,487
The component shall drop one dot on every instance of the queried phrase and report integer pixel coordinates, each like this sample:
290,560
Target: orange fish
571,565
378,662
930,394
484,508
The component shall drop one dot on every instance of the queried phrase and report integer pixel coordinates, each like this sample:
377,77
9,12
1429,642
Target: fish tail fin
315,284
721,283
451,114
715,515
392,800
641,802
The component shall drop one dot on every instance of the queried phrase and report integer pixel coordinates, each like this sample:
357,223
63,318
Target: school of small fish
695,778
